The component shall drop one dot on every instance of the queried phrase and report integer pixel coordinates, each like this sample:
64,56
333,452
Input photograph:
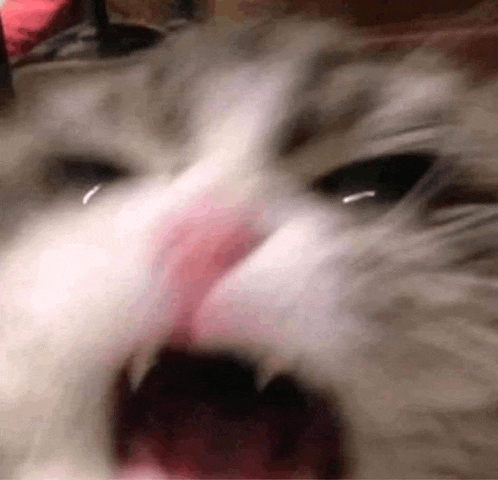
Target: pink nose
198,247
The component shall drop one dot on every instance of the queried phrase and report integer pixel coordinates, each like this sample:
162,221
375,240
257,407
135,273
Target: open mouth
202,413
202,416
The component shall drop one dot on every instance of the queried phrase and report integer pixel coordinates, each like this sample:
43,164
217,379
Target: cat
255,253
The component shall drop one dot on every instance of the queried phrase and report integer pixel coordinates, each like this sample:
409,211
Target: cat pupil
381,180
81,178
89,172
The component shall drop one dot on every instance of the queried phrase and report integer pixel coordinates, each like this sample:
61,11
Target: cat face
256,254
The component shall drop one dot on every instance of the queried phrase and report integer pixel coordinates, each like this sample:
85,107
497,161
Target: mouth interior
202,416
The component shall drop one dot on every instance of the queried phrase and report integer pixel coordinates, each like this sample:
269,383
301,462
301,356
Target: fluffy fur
386,306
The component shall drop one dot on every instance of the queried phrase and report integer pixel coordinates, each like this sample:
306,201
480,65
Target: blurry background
465,29
361,12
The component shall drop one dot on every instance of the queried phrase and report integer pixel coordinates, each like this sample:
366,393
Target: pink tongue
248,463
187,459
144,467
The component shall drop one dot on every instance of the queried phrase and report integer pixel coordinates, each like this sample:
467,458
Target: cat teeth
263,378
272,367
141,364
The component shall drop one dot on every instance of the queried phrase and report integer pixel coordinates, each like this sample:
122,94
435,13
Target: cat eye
382,180
82,178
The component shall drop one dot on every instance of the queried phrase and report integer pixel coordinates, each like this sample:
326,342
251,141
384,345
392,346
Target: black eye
79,176
382,180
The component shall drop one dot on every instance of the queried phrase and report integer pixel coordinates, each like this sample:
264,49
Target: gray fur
393,312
